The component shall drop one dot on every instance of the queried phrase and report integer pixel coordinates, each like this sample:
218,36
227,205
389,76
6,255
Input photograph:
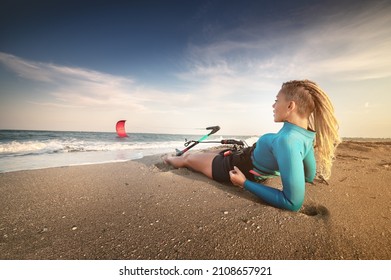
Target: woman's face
280,107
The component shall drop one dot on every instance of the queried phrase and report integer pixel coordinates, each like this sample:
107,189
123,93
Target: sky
181,66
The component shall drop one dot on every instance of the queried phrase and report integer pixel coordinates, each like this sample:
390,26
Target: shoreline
89,158
143,209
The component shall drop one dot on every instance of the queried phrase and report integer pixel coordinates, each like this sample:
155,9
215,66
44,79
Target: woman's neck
299,121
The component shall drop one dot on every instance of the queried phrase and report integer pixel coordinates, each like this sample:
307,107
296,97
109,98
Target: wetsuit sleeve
291,168
310,166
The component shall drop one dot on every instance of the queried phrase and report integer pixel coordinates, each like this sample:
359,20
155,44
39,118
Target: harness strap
260,176
257,174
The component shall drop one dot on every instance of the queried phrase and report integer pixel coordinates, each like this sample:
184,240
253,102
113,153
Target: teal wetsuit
289,153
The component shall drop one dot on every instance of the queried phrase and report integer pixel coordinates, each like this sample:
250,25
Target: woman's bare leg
200,162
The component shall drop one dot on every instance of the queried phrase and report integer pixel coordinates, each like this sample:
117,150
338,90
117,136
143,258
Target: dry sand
147,210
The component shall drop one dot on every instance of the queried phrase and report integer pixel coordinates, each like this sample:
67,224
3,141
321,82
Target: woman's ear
292,105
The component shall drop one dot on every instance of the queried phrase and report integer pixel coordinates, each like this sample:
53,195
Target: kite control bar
191,144
223,142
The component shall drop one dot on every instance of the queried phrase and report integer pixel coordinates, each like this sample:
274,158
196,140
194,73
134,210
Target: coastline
143,209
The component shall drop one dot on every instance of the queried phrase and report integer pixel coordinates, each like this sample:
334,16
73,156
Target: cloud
74,87
75,91
353,47
240,65
25,69
55,105
237,72
347,44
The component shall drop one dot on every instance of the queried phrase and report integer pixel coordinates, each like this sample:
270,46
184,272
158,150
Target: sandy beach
146,210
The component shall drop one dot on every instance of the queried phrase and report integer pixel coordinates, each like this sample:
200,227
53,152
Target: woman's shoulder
289,135
288,141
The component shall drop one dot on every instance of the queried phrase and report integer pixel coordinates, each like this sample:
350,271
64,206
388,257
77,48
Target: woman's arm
291,169
310,166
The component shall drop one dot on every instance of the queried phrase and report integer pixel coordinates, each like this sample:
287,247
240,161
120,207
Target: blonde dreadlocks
313,103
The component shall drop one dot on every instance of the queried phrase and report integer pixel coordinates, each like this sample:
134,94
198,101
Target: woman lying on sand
303,107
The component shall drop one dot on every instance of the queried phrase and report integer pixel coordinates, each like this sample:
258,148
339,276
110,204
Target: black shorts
222,165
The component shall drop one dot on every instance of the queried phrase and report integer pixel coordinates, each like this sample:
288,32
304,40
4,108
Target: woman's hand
237,177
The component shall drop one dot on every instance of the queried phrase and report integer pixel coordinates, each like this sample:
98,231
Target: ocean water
26,150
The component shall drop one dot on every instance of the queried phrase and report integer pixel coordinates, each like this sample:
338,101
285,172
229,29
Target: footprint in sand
314,210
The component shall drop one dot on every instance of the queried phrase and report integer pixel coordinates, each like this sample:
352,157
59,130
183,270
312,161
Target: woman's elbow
295,207
294,204
309,178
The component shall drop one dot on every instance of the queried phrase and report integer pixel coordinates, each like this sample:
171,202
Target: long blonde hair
313,102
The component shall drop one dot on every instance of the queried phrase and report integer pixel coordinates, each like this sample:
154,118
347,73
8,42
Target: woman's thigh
201,162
